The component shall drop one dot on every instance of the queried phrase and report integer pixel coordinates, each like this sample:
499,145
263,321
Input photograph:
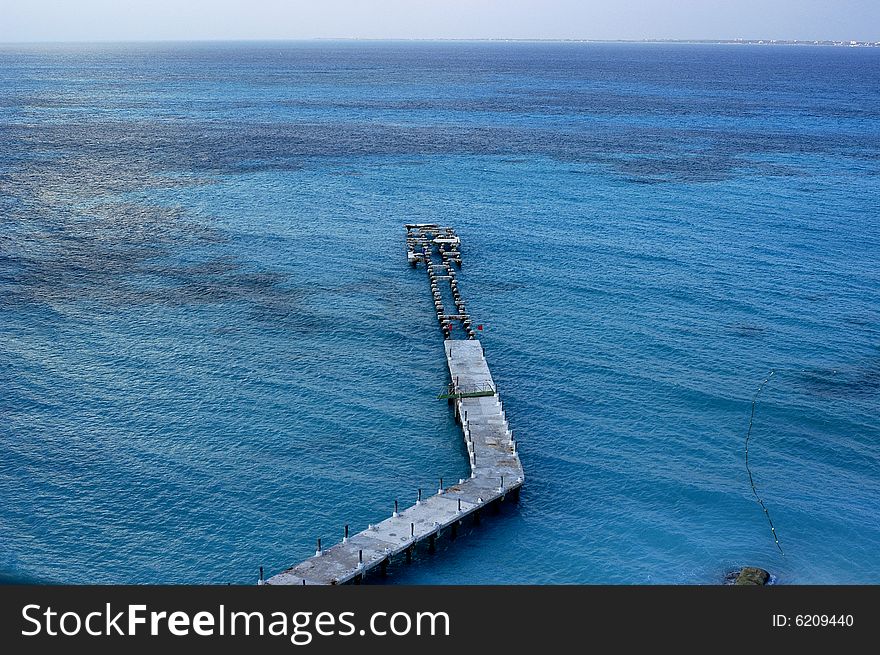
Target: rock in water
752,575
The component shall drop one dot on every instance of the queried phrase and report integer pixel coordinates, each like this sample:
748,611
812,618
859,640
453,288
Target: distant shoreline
821,42
801,42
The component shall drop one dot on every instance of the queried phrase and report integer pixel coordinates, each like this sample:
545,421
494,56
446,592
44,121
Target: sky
118,20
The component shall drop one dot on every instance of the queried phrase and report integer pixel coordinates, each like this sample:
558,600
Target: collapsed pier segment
438,249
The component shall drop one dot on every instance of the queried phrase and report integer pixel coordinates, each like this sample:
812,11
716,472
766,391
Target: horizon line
708,40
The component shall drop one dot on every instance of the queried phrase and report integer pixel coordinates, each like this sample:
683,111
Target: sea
213,351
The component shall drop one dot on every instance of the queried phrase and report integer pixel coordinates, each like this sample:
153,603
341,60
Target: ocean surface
213,352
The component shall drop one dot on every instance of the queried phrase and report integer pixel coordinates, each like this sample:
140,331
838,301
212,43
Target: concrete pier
496,472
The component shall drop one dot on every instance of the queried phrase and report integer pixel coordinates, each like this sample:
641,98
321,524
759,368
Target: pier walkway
496,472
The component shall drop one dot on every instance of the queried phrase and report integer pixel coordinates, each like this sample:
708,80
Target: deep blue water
212,350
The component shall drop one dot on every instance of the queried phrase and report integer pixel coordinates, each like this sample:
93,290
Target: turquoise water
212,350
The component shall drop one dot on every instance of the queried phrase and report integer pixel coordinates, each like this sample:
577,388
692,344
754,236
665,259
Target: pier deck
496,472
